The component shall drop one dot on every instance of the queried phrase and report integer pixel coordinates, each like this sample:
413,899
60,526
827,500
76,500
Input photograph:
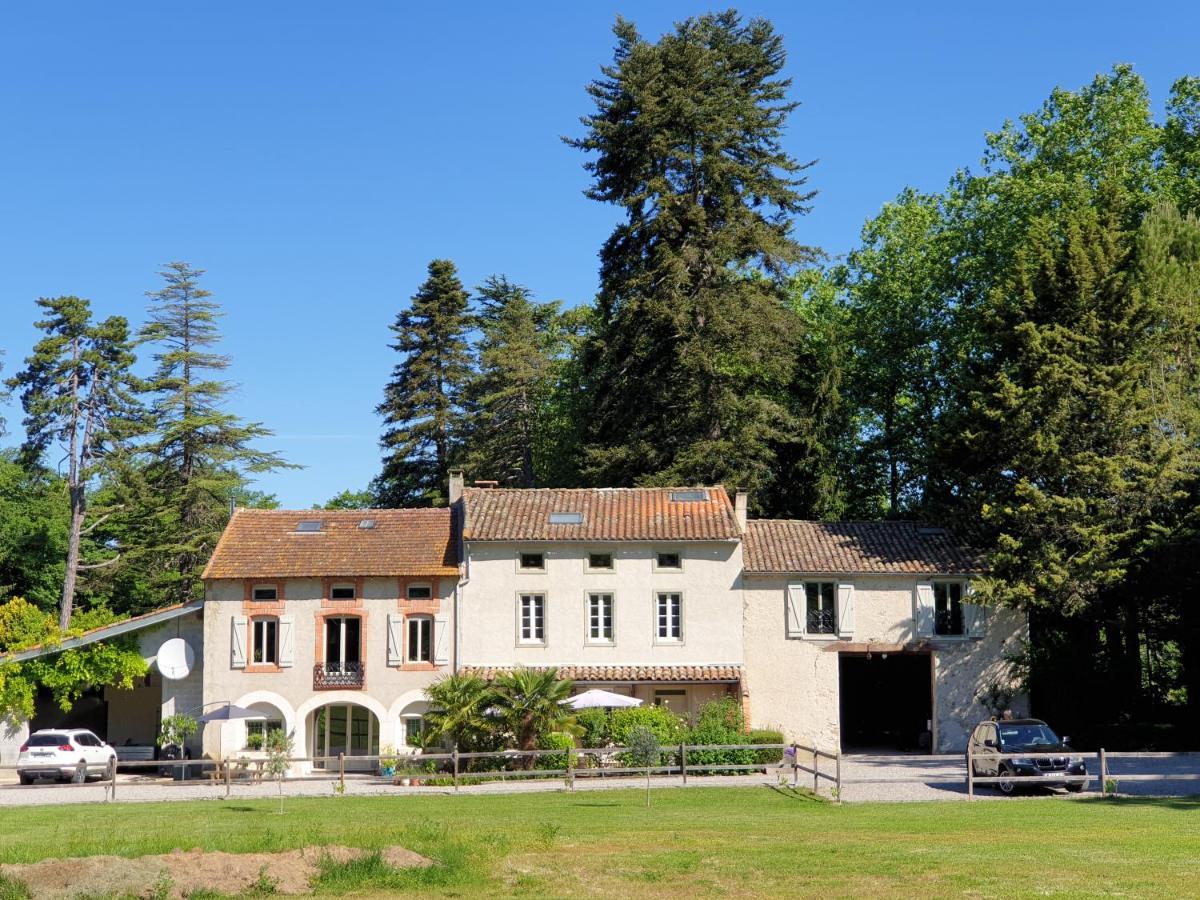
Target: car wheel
80,776
1005,785
25,779
1076,788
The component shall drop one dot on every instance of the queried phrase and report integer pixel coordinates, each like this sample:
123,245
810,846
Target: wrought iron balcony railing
822,621
329,675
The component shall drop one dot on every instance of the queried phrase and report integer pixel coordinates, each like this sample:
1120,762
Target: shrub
665,725
766,736
597,729
555,740
720,722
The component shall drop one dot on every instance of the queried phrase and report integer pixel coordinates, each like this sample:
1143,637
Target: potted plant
254,740
388,760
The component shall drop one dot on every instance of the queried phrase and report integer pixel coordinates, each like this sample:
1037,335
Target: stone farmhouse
331,624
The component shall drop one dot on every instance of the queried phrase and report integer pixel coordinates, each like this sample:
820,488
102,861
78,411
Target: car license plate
42,753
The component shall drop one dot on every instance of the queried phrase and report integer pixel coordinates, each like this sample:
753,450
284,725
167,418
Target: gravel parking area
865,778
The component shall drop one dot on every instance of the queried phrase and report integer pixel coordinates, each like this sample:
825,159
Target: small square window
342,592
533,561
419,592
668,561
600,561
265,593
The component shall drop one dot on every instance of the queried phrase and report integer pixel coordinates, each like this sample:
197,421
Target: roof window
689,496
932,531
366,524
566,518
308,526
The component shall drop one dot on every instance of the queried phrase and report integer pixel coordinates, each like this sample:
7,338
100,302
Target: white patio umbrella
226,713
598,698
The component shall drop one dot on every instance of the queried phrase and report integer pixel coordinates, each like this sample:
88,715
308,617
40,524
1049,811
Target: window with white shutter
237,642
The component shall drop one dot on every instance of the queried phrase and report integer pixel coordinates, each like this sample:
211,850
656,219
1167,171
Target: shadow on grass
1184,804
791,793
248,809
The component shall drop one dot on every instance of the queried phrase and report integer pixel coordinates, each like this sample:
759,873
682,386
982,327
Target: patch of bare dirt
182,872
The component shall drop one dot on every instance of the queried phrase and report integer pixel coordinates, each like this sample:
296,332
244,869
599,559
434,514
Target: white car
64,754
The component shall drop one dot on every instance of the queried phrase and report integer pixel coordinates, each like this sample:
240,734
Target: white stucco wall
710,582
793,682
389,691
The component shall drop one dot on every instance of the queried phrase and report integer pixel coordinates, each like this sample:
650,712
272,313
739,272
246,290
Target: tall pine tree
78,391
693,351
422,407
199,455
520,351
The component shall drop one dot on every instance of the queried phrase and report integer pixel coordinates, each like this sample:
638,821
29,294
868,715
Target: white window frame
947,583
421,584
662,568
658,638
264,587
343,586
589,636
599,570
821,583
530,570
255,632
341,620
531,641
263,727
407,720
427,646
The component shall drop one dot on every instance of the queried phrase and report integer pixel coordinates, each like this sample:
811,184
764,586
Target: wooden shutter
395,639
441,640
923,610
287,641
975,616
795,610
237,642
845,610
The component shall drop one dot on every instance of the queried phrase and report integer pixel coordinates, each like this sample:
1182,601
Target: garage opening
886,702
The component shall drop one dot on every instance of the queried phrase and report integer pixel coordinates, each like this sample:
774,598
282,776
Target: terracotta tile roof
788,546
609,514
265,543
624,673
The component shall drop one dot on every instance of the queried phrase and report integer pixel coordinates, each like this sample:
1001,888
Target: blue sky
313,157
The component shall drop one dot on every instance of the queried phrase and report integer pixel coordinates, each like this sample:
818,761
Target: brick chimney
456,485
739,508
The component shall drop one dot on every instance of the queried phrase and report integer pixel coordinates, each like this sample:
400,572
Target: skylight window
932,531
308,526
367,524
689,496
566,518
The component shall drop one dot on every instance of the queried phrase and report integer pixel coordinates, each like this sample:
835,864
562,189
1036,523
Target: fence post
795,765
970,773
342,772
683,760
228,777
838,773
816,770
1103,774
454,763
112,779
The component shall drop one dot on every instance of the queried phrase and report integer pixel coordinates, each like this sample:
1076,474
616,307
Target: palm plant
459,710
530,703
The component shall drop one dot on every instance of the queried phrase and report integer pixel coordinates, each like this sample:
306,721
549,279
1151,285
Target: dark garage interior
886,702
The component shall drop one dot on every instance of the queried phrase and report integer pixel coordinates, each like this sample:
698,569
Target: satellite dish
175,659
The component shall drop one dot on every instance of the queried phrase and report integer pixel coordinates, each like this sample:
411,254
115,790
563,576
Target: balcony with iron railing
338,675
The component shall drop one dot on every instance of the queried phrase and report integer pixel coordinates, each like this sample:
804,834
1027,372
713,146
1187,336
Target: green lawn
714,842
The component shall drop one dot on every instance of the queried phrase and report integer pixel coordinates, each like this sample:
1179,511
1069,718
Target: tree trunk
78,508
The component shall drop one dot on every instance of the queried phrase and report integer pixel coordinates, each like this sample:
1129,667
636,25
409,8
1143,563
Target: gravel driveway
865,778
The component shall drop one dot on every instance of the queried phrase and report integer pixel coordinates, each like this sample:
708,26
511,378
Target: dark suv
1049,756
